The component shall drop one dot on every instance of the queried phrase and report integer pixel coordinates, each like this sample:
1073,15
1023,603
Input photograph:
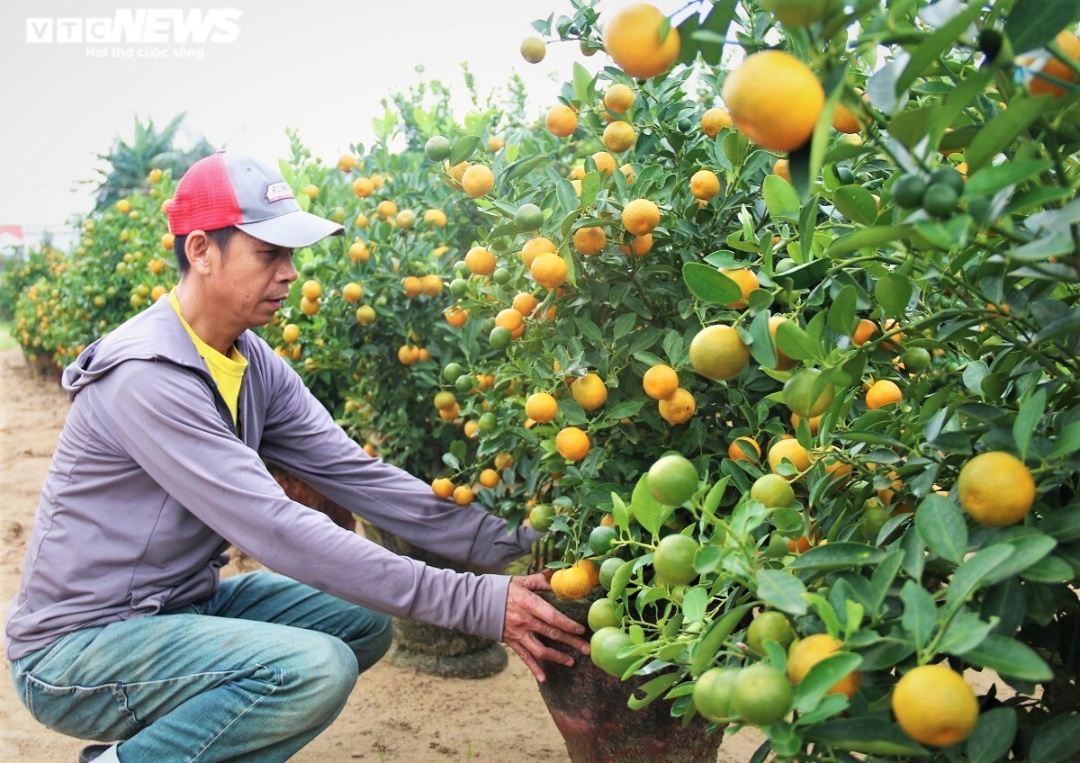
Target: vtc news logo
150,26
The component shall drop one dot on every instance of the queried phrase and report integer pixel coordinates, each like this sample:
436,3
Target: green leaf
970,88
1010,658
920,614
830,705
735,146
882,578
1000,132
837,556
763,348
924,56
625,325
1033,23
584,90
649,512
780,198
842,317
714,638
950,234
1051,570
288,172
853,617
1070,323
804,164
688,47
1037,198
715,495
522,167
588,329
869,735
993,735
872,438
1063,525
989,180
893,292
824,609
505,229
941,524
781,590
806,160
710,285
590,187
1027,550
911,125
1067,442
463,148
694,602
914,554
973,573
965,632
1028,417
868,238
1058,739
568,198
973,376
794,342
619,511
822,677
651,689
665,29
624,410
708,559
713,31
622,577
788,520
856,204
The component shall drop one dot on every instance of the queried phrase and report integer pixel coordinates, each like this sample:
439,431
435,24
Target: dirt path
393,715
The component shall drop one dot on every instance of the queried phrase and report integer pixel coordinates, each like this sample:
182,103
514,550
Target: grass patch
7,341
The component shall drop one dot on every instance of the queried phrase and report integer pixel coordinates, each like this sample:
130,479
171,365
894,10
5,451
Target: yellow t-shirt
227,370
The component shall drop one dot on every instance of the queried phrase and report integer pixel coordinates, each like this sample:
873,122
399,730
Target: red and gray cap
227,189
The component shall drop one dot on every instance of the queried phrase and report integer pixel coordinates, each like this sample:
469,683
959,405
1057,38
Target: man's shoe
92,752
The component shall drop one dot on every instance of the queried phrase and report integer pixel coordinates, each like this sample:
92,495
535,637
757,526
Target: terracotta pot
301,492
429,648
589,709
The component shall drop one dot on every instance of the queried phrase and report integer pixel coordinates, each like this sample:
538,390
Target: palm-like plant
129,164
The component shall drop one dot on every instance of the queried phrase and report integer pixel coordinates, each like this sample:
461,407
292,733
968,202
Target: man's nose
288,271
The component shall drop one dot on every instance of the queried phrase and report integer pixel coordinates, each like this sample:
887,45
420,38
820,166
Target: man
121,628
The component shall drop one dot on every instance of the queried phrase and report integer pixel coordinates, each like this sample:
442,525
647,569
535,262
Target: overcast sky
320,66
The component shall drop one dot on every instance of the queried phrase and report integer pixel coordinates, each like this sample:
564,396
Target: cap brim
293,230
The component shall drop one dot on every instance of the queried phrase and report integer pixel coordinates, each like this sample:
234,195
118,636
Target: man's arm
302,437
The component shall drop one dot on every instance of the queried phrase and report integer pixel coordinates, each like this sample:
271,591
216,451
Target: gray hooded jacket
150,483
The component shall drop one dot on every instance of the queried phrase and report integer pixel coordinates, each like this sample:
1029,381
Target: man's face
252,280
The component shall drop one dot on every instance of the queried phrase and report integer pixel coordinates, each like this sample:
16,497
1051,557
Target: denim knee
324,678
375,643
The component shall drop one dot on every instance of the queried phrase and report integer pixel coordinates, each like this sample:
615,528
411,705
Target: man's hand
527,615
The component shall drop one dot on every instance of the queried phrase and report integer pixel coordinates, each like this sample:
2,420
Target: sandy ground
394,714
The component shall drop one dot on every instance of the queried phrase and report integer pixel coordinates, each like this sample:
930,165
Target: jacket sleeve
301,436
164,418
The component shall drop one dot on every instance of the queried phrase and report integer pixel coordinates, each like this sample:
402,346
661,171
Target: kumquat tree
770,323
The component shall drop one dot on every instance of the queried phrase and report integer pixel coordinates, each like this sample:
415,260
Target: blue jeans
251,674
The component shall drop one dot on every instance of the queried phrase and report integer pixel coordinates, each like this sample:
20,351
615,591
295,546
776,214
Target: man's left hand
528,615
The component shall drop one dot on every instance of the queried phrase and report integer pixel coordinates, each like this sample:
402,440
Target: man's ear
197,247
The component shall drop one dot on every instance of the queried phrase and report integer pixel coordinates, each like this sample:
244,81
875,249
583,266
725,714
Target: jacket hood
154,334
